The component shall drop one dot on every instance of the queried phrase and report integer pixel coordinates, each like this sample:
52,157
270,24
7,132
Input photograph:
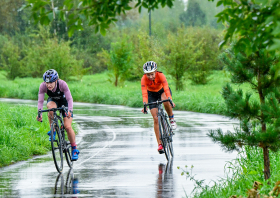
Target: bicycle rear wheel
164,141
57,148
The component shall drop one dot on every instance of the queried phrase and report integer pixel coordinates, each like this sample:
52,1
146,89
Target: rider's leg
167,105
71,137
156,127
169,111
69,130
50,105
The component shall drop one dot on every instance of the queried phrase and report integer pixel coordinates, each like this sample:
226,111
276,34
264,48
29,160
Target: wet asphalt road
119,158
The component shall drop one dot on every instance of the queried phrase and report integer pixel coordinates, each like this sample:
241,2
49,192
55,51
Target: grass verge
97,89
21,136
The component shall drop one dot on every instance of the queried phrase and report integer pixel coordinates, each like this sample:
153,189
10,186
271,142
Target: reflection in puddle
165,181
67,187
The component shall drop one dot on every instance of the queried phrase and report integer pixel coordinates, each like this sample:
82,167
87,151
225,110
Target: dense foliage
99,13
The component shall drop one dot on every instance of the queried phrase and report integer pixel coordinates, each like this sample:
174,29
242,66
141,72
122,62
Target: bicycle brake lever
39,115
171,103
145,109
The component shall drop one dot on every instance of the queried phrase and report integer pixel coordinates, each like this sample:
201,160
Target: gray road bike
165,130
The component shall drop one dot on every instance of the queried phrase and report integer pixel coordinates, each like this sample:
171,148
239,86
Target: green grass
21,136
97,89
247,168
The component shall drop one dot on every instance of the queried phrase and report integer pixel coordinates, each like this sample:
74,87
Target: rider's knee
68,128
155,120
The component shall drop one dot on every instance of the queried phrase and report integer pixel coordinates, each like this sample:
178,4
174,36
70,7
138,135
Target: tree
251,24
99,13
209,38
10,60
8,15
258,113
119,60
194,15
182,53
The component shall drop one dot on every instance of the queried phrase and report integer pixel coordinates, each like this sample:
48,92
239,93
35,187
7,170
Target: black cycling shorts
59,103
154,96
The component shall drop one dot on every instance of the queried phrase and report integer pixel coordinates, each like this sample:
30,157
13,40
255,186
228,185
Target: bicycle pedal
161,151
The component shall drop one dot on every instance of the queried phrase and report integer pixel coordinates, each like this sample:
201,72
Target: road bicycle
165,130
59,144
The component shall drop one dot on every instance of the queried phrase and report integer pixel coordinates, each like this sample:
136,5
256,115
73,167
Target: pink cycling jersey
63,87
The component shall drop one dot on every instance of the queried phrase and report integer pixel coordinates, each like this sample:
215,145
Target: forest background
184,43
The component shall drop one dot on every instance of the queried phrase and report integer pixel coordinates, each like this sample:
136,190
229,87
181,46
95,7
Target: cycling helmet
149,67
50,76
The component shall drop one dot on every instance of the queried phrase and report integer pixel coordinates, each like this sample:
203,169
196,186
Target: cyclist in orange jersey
154,87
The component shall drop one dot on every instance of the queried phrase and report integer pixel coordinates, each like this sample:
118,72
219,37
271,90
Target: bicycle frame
164,128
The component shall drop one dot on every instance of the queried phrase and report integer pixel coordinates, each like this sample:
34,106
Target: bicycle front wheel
57,148
170,140
68,154
164,140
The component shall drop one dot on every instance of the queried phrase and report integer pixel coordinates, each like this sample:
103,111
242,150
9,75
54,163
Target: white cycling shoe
173,124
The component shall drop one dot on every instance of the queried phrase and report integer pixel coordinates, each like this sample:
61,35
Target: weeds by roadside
241,174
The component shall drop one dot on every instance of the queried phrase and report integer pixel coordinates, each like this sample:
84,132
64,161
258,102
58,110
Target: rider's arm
165,85
41,95
64,88
144,90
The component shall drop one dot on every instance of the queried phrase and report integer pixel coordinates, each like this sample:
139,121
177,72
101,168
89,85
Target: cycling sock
74,145
170,117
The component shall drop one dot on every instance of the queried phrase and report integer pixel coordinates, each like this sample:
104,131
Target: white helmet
149,67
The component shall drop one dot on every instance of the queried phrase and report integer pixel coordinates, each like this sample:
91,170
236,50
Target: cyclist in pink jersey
59,94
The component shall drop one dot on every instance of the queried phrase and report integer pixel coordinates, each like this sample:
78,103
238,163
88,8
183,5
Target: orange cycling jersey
154,85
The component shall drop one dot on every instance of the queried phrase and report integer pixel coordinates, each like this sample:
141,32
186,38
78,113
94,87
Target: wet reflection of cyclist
165,181
154,87
59,94
69,187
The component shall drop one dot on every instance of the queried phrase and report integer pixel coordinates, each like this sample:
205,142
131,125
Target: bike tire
170,139
68,154
57,148
163,138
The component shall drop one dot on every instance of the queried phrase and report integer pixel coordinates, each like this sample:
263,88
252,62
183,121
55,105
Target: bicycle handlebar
65,109
157,102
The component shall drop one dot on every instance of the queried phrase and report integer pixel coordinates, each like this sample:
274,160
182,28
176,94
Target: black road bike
59,144
165,130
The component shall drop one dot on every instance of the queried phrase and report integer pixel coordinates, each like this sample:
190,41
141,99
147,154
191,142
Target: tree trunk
266,163
116,81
